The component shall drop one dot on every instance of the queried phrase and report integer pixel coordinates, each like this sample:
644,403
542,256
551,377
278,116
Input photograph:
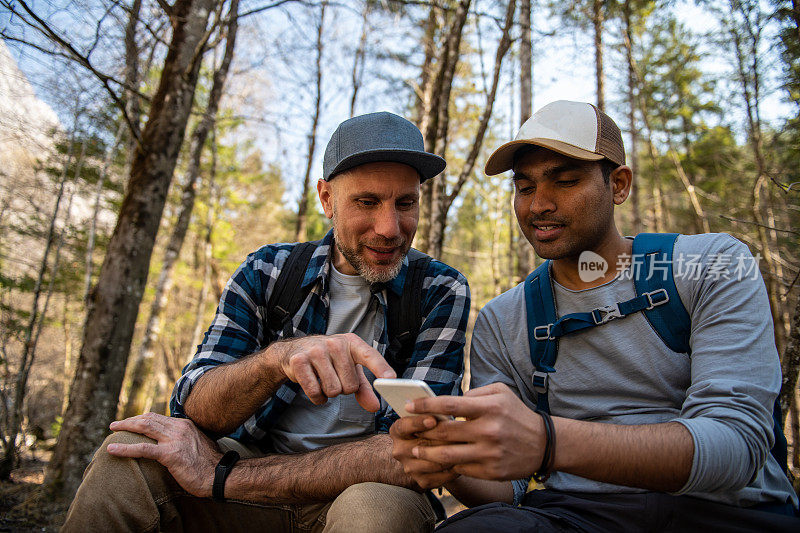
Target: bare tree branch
166,7
760,225
274,4
81,59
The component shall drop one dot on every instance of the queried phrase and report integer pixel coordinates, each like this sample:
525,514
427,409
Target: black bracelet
549,456
221,472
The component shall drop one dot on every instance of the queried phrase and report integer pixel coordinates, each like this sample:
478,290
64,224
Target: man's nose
387,223
542,202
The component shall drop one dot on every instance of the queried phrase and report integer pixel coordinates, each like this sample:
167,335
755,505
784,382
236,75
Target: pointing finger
365,396
368,356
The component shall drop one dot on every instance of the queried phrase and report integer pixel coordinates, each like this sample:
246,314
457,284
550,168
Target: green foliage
55,427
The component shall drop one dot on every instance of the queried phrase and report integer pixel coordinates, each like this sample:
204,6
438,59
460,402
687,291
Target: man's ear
620,181
325,197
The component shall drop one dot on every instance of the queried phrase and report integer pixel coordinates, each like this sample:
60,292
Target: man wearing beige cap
637,392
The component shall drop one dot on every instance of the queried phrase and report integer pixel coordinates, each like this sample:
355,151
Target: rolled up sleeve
236,330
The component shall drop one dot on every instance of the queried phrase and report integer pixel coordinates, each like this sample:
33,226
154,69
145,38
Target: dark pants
549,510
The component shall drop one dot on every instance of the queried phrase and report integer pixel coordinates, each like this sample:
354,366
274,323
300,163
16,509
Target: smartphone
398,392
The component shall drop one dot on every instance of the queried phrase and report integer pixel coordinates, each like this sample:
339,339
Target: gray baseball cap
378,137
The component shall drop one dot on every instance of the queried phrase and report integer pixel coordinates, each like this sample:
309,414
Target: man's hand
189,455
328,365
404,433
501,438
324,366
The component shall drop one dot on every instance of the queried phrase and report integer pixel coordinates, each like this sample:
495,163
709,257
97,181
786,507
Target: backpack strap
655,273
404,312
541,314
545,328
286,297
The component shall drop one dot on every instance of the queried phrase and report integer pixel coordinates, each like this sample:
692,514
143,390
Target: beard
370,272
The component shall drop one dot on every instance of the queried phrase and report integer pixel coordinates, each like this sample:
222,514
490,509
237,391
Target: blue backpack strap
655,274
541,311
545,328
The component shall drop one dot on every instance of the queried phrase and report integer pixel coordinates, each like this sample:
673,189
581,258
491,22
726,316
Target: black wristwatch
221,472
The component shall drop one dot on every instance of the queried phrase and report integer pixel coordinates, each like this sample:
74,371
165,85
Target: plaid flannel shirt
239,329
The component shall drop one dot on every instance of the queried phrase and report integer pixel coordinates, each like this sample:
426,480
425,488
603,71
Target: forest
148,146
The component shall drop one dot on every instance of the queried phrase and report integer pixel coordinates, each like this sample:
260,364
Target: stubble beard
371,273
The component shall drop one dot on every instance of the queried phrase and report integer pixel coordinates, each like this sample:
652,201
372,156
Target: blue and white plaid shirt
239,329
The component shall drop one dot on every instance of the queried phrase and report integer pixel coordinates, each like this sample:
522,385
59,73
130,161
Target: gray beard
365,270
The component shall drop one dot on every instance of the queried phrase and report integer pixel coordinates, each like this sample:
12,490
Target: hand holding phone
398,392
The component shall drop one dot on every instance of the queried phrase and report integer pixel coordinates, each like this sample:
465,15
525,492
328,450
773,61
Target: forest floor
22,510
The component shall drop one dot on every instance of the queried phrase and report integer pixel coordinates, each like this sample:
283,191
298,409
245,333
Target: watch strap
221,472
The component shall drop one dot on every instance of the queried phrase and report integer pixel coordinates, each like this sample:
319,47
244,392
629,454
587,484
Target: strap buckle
658,297
542,333
540,382
606,314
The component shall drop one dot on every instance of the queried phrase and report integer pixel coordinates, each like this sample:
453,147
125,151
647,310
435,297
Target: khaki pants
120,494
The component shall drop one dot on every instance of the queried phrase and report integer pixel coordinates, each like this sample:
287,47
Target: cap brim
428,165
503,158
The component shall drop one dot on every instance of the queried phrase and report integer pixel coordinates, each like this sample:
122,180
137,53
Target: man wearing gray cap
285,371
634,379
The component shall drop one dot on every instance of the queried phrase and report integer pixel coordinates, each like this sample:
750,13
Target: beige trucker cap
574,129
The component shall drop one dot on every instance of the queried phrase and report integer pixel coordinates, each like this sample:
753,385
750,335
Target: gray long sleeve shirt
622,373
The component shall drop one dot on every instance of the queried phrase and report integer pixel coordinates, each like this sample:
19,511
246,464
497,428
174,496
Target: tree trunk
427,74
771,201
143,365
497,287
445,201
422,103
132,76
438,188
523,251
302,206
113,306
208,252
794,431
98,195
749,77
699,213
358,62
597,22
633,156
434,121
132,79
700,216
790,361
